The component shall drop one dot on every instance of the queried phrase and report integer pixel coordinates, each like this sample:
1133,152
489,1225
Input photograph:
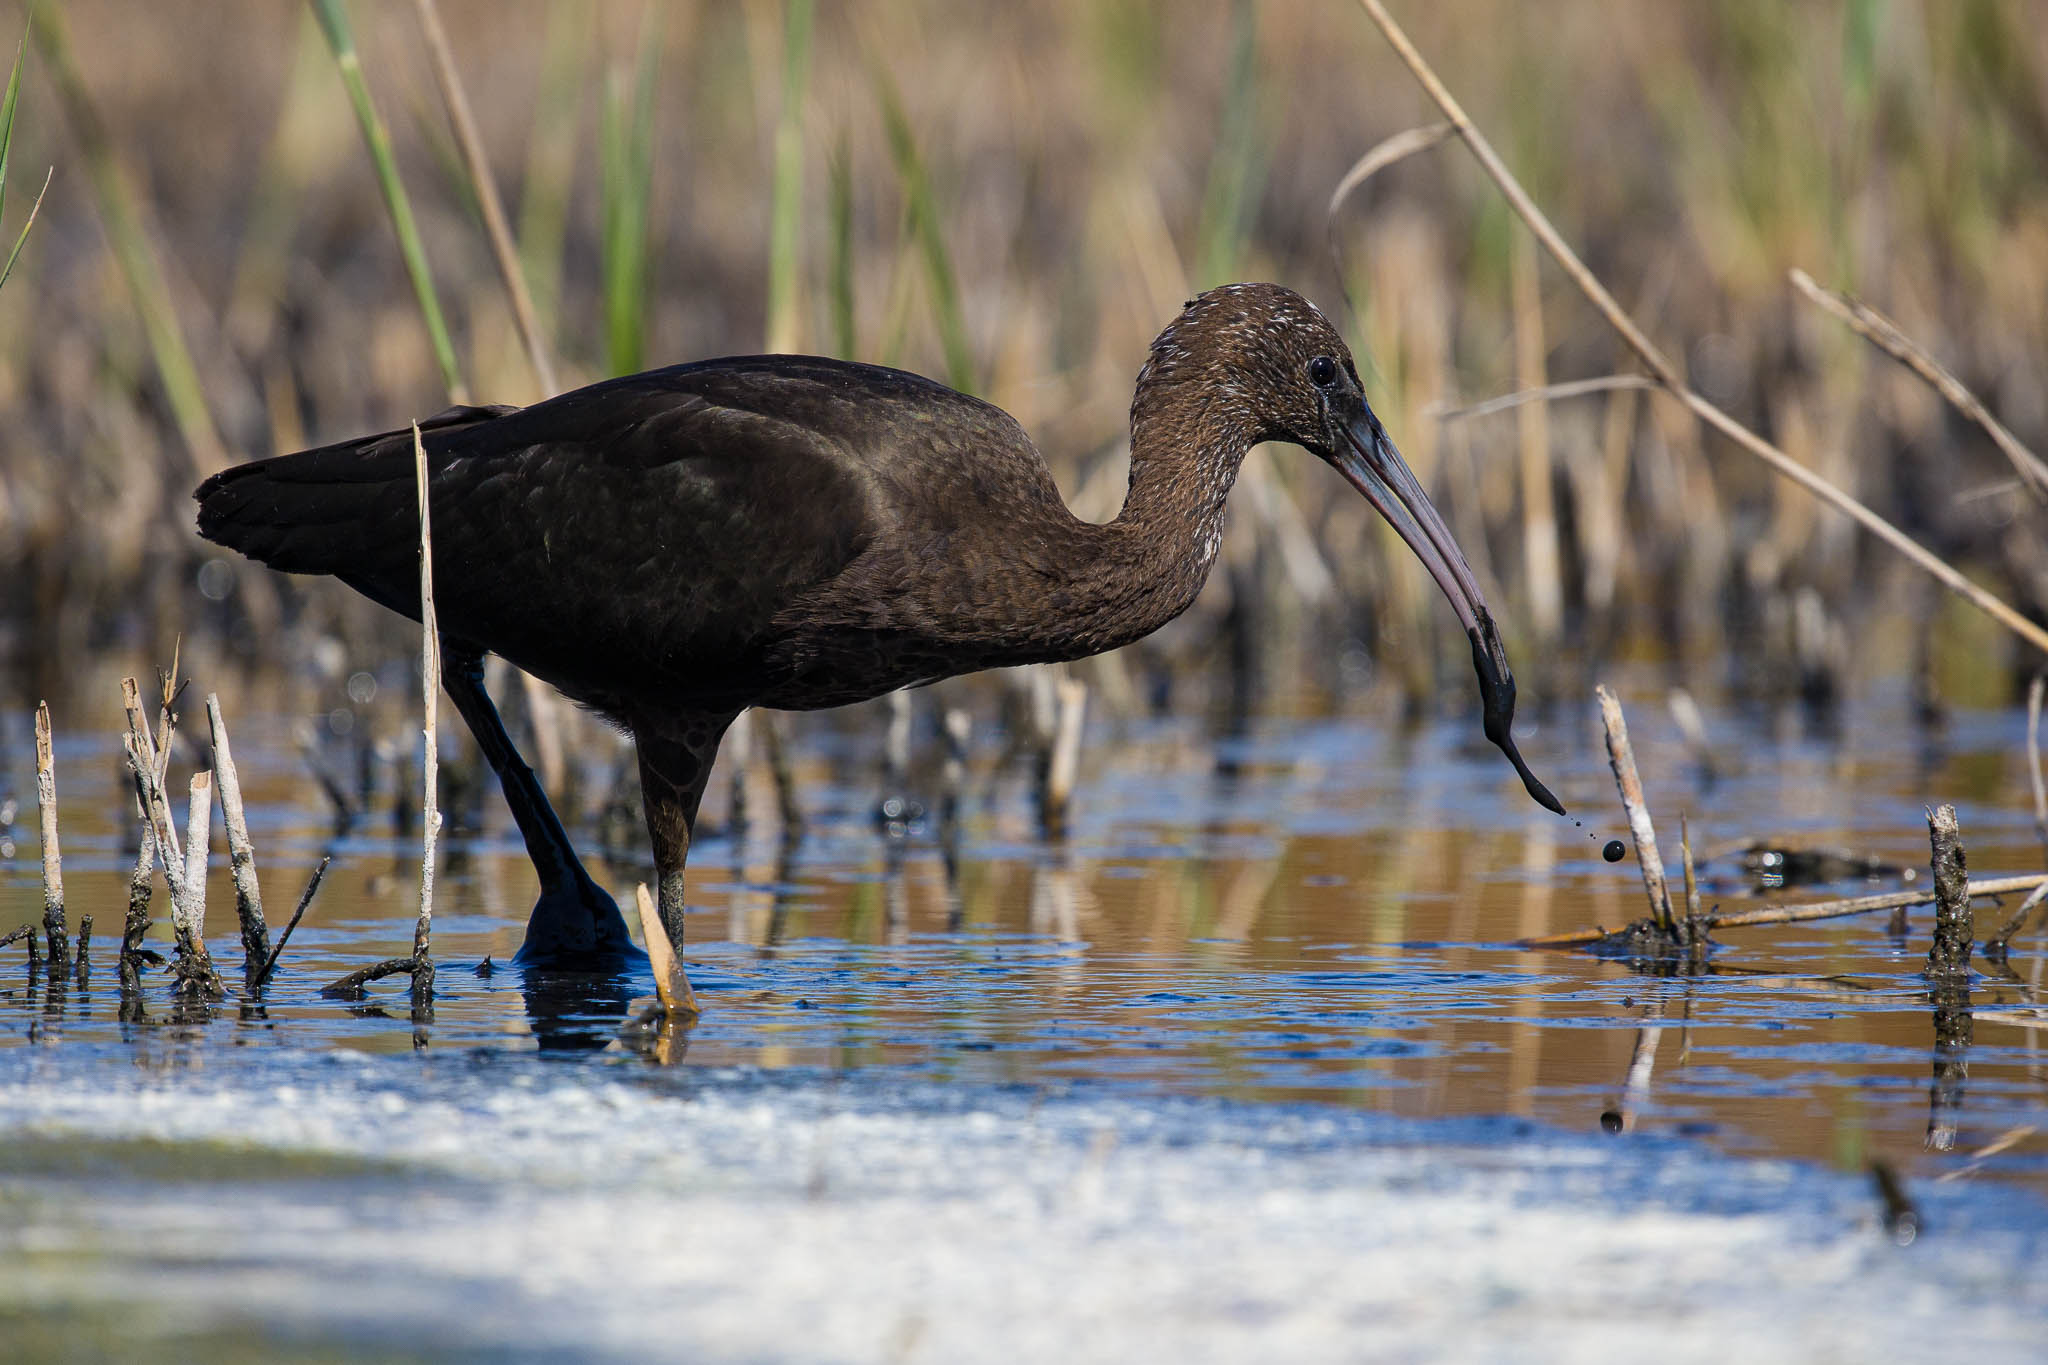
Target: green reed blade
333,19
922,208
626,153
789,178
845,335
22,240
123,221
1233,188
551,158
7,110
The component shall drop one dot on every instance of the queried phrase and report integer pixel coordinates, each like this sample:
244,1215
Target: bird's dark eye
1322,372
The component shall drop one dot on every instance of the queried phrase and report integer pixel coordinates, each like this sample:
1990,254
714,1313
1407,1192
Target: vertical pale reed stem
1622,758
241,852
53,862
430,670
198,833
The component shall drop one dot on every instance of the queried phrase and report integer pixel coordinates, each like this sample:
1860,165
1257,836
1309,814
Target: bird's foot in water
578,928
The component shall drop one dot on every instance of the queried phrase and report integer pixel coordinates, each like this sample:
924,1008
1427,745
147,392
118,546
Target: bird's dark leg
574,923
676,752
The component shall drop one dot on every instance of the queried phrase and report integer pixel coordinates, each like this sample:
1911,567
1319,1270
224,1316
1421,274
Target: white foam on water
518,1206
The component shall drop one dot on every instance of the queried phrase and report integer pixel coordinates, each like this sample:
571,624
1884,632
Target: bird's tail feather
313,511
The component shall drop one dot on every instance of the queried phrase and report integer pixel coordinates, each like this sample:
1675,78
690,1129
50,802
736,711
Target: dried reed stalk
1692,886
1997,946
195,970
198,837
1399,147
478,165
430,680
1540,562
1621,757
197,977
1549,393
1666,373
1881,332
53,859
1058,795
241,852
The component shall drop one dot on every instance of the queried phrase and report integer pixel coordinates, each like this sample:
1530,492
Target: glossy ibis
786,531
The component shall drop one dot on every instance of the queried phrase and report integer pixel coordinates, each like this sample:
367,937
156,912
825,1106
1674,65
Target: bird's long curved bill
1377,470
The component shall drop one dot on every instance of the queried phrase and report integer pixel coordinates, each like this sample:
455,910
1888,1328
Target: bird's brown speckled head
1263,351
1262,363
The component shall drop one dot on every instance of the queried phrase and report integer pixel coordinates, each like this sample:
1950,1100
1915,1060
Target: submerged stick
1950,954
81,955
1621,757
241,852
53,860
430,677
350,987
305,899
670,984
136,927
1799,914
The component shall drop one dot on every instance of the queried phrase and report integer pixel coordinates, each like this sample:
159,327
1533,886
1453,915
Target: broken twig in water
1950,953
1622,759
350,987
2000,943
241,853
1799,914
305,899
53,861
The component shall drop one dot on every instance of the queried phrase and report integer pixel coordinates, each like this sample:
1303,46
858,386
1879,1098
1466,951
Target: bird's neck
1150,563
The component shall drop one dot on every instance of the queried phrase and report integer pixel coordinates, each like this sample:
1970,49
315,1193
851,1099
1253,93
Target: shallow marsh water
1247,1067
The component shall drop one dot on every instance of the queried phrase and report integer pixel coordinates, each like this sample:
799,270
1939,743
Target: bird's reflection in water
579,1011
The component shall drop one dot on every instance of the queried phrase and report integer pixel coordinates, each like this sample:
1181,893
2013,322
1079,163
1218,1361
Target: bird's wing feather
655,520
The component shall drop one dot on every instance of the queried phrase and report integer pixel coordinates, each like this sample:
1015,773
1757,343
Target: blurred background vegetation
1016,198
